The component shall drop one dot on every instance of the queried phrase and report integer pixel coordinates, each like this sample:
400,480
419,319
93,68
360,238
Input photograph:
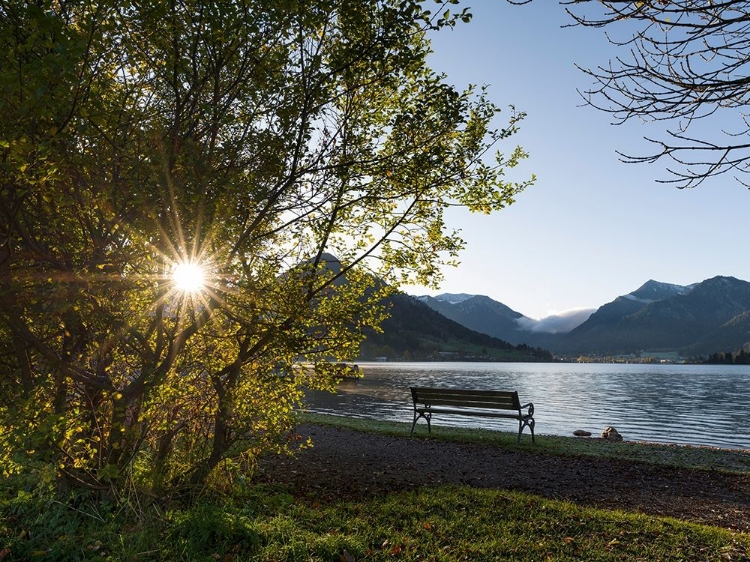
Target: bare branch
686,61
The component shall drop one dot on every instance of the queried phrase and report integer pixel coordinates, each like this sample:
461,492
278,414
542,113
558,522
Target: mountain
663,317
693,320
416,331
625,305
491,317
481,314
453,298
729,337
697,319
650,292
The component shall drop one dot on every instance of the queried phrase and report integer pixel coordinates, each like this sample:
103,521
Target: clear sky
591,228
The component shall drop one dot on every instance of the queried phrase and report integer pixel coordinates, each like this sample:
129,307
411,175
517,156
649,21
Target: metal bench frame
486,403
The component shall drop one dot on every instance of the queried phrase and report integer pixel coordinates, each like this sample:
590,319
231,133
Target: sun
189,277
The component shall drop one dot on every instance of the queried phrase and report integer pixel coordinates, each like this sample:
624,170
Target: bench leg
418,415
521,425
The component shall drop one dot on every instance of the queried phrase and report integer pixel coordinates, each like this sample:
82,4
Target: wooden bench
487,403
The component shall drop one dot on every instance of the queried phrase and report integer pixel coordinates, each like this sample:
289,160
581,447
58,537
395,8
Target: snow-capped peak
453,298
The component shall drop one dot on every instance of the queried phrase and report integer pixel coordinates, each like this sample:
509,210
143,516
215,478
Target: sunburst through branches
189,277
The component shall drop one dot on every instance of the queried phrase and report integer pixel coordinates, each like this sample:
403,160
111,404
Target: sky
592,227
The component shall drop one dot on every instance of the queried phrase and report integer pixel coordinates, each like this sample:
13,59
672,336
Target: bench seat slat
490,396
505,405
473,396
464,412
467,402
462,391
426,394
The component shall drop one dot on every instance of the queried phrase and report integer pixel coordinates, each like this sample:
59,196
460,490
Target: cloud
559,323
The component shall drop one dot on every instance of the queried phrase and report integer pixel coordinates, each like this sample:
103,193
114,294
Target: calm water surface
686,404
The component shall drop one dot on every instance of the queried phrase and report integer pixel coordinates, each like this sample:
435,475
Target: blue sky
591,228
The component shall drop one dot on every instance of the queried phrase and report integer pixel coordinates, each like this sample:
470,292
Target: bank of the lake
706,405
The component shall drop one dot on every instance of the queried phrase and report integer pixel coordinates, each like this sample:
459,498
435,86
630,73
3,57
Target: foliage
684,63
255,140
742,357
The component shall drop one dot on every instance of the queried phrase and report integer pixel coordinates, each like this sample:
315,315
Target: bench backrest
491,399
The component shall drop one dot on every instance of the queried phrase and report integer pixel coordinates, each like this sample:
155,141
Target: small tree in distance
285,156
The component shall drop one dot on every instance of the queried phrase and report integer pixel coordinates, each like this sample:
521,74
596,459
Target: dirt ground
346,463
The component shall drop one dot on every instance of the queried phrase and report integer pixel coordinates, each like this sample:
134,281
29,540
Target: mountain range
414,331
704,318
691,320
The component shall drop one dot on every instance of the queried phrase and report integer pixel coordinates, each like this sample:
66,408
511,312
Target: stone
581,433
611,434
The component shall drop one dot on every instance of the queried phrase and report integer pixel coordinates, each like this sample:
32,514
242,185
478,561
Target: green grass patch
699,458
448,523
458,523
265,524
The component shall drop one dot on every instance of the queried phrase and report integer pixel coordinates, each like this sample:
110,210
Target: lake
683,404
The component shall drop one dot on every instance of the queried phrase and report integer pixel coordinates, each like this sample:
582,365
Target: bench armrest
530,406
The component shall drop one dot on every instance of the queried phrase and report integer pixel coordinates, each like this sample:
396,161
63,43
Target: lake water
684,404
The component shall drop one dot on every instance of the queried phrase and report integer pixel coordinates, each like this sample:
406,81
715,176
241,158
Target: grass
265,523
448,523
696,458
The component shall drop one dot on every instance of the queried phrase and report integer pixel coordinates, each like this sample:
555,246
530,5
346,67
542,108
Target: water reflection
687,404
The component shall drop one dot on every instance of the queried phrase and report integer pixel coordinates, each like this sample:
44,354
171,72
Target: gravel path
346,463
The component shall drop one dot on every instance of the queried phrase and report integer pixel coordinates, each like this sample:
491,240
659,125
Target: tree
684,63
247,144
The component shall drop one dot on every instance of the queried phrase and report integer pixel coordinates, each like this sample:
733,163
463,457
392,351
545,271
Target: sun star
189,277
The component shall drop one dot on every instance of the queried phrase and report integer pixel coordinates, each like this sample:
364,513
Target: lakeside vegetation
299,164
239,519
190,210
